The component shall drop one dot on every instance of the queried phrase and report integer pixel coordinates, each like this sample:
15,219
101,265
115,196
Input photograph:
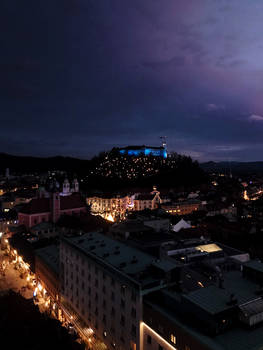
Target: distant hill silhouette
237,168
22,164
111,170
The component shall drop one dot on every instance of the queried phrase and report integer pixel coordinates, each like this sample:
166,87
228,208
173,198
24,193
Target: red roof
42,205
72,202
36,205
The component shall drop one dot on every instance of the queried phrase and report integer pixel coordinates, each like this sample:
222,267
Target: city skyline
80,78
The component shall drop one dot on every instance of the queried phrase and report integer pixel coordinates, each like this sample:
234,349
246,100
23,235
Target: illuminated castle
144,151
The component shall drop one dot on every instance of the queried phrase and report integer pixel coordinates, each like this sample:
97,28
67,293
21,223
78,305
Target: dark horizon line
80,158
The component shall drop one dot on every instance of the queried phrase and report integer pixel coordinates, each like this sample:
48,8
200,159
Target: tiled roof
36,205
42,205
71,202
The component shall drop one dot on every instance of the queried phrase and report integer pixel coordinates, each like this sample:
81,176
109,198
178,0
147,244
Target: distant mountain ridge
18,164
235,167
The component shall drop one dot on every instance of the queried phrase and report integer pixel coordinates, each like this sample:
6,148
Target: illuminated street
10,278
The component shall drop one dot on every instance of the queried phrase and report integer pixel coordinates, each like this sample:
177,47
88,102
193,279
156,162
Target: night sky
81,76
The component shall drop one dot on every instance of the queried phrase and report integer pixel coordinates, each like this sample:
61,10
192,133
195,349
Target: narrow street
16,275
12,278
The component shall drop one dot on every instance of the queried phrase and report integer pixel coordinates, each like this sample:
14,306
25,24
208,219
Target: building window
122,304
133,296
112,296
104,319
133,312
112,311
123,287
122,320
173,338
149,339
133,330
112,281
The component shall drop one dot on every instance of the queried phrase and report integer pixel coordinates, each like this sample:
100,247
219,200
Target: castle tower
75,186
66,187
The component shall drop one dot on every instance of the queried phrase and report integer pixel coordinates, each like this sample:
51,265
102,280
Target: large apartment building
104,281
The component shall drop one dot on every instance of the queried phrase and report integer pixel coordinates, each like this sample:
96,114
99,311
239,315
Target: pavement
10,279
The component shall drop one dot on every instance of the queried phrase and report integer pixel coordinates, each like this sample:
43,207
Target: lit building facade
144,151
182,208
106,206
104,282
50,209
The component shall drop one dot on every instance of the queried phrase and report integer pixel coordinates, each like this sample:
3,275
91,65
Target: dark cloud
77,77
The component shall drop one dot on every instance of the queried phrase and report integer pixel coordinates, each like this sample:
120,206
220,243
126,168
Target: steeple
75,186
66,187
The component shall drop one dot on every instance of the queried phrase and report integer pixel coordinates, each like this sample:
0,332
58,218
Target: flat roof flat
214,299
50,255
128,260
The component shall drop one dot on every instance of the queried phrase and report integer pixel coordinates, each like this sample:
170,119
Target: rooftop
127,260
50,255
42,205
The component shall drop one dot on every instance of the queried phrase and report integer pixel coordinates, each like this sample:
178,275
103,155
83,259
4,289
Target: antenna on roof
163,140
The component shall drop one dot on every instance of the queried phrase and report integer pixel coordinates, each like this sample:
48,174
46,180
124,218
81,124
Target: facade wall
116,205
33,219
182,209
47,277
107,304
30,220
167,334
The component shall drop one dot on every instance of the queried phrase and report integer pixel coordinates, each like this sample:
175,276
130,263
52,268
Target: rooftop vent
134,260
232,300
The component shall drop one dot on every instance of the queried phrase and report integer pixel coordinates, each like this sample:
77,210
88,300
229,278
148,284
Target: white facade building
104,281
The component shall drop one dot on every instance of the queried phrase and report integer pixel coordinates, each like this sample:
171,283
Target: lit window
149,339
173,338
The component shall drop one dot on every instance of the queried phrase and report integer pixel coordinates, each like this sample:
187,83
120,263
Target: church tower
75,186
55,206
66,187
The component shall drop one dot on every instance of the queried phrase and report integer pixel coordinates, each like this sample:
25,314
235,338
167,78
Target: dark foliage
22,326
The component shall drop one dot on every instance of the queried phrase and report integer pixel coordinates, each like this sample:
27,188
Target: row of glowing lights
246,197
39,289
